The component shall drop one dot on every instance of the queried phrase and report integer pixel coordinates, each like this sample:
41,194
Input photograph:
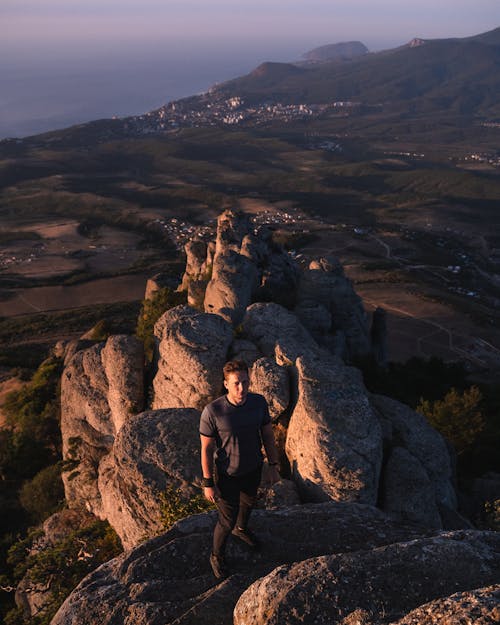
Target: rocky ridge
300,328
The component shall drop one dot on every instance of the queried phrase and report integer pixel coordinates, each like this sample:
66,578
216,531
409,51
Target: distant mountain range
462,75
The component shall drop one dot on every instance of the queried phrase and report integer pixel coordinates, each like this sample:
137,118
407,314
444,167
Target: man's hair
232,366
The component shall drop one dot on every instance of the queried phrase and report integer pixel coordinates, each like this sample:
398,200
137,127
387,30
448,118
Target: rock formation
101,388
300,330
193,348
168,579
417,478
372,586
154,450
334,440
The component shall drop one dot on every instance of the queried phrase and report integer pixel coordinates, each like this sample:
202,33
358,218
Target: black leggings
238,495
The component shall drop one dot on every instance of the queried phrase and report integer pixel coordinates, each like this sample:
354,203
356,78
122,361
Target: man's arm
207,465
271,452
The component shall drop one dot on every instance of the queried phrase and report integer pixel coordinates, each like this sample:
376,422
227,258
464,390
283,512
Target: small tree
44,494
457,416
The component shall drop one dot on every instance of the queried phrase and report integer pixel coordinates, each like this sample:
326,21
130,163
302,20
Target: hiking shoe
247,536
218,566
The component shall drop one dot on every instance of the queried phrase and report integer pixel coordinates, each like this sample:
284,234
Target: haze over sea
69,61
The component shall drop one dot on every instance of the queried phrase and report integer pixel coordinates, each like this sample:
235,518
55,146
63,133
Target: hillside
458,74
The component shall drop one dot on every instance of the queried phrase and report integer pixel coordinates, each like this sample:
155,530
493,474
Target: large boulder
268,325
324,283
422,472
192,348
272,381
334,439
230,290
168,579
101,388
407,491
154,450
372,586
199,261
478,607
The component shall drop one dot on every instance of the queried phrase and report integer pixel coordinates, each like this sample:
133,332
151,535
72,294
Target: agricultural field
85,222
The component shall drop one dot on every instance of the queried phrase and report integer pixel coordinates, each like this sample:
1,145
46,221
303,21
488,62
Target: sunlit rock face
192,348
101,388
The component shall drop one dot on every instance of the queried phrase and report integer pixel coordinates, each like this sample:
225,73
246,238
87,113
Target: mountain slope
463,74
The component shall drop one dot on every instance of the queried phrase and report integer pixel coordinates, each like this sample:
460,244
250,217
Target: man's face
237,384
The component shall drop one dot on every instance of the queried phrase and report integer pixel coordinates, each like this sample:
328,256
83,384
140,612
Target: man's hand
211,493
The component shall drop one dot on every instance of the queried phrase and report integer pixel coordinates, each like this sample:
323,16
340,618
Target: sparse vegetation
457,416
176,506
59,567
152,309
30,451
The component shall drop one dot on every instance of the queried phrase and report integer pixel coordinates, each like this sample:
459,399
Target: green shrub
44,494
61,567
457,416
175,506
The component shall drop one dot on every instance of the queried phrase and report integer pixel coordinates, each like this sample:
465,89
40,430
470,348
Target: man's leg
248,495
227,507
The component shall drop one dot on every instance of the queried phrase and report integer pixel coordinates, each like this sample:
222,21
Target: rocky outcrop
154,450
100,389
271,381
325,290
480,607
199,261
157,282
372,586
168,579
230,290
269,326
193,348
417,479
334,439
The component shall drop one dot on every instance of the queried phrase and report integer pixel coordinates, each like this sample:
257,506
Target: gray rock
282,494
269,324
375,586
232,227
271,381
229,291
123,361
168,579
324,282
154,450
480,607
334,440
242,349
199,259
410,429
157,282
100,389
315,317
279,280
193,348
407,490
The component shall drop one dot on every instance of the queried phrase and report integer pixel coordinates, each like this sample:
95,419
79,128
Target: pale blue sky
68,61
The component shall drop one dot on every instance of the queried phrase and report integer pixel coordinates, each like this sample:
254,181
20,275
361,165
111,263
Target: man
233,428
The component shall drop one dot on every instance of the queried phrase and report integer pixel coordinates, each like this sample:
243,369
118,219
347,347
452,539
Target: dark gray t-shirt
236,430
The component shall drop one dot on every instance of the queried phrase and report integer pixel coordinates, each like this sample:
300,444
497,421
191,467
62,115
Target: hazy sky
63,61
377,22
